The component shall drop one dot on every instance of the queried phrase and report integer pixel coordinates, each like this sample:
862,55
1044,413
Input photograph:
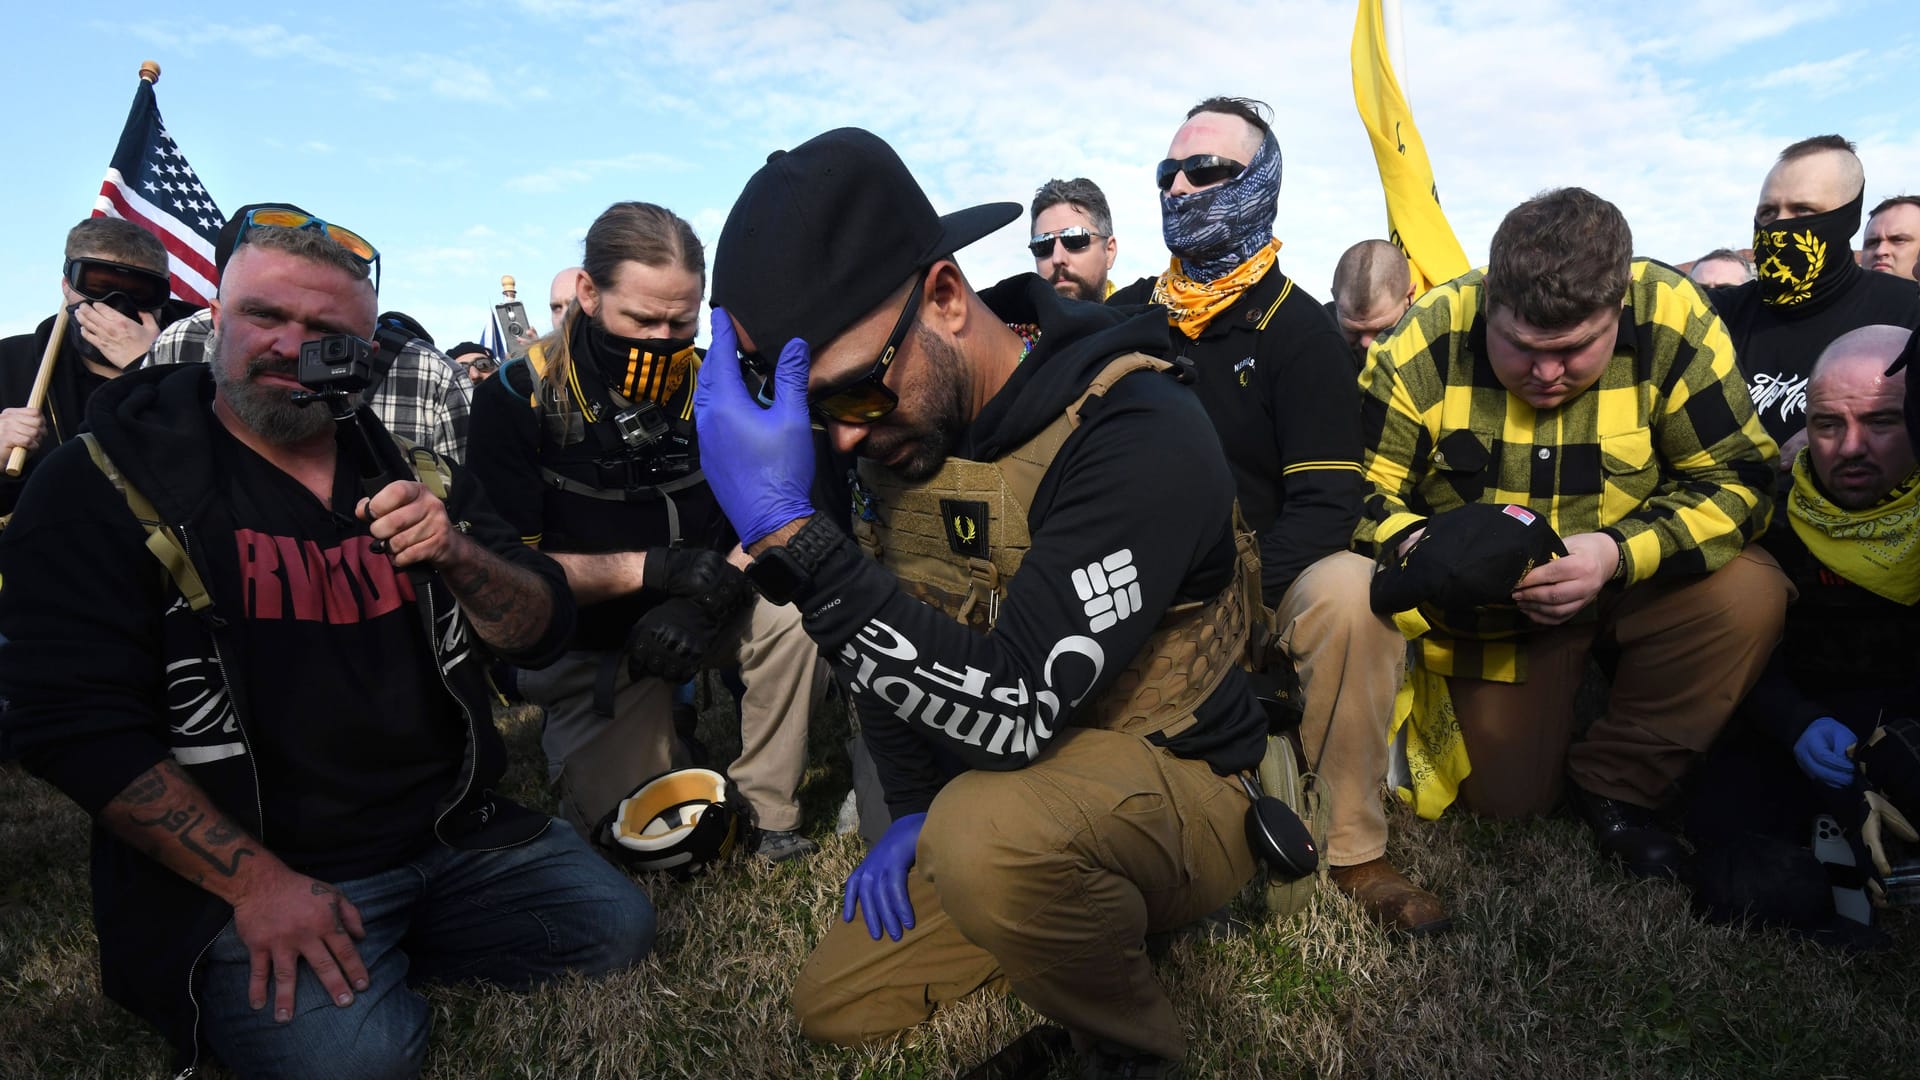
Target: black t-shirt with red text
349,705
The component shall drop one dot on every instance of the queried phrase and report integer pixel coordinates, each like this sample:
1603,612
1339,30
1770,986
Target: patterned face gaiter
1215,230
639,369
1804,262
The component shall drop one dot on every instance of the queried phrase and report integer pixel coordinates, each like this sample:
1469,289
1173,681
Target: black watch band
779,572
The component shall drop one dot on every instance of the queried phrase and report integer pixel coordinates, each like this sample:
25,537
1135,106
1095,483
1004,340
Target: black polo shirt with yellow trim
1276,378
1664,451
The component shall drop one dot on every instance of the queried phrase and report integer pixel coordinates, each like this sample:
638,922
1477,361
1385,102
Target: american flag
150,184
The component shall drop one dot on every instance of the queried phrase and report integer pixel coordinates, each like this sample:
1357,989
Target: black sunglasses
866,399
1074,239
104,282
1203,170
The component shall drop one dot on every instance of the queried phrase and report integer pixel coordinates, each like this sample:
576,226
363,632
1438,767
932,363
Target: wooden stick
17,460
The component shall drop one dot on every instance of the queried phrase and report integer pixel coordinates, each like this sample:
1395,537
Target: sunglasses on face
479,365
1074,239
104,282
860,400
356,245
1203,170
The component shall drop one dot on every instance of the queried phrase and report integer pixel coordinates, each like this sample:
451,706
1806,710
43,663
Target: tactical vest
562,427
957,538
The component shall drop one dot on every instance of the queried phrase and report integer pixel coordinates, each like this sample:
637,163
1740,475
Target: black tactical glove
671,641
701,575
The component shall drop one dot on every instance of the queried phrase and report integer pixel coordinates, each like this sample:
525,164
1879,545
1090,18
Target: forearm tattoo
508,607
166,815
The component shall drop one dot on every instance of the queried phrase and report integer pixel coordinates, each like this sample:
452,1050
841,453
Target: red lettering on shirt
285,577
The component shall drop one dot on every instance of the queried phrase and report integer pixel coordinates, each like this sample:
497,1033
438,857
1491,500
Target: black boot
1631,834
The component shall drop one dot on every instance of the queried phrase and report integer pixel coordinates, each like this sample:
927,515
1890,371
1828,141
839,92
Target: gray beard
266,411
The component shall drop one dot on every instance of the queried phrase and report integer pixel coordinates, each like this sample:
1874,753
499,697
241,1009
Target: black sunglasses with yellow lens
274,217
1203,170
860,400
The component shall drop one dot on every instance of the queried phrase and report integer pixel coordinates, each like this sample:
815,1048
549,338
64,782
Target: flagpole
149,71
1396,44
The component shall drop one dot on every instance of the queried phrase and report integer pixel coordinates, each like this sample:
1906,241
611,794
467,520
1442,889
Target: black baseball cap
467,347
825,232
1469,557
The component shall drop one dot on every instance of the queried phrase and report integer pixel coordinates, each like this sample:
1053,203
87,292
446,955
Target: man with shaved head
560,293
1809,290
1851,646
1372,288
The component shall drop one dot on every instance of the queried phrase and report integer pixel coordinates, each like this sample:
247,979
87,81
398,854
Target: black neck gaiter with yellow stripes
638,369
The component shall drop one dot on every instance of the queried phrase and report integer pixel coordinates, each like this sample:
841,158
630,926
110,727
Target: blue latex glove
758,461
1822,749
878,886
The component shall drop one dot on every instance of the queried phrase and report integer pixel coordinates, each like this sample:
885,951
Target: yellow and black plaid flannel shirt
1664,451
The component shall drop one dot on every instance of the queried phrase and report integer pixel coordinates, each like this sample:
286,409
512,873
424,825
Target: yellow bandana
1874,548
1191,304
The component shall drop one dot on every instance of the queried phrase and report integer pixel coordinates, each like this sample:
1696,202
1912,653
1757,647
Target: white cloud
1821,78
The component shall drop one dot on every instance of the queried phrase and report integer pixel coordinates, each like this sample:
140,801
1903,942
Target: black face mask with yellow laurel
639,369
1804,262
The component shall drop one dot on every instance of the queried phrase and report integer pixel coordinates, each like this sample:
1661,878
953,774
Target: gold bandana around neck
1874,548
1191,304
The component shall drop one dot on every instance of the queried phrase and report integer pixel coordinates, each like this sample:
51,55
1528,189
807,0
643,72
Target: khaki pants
1046,880
595,762
1690,649
1350,662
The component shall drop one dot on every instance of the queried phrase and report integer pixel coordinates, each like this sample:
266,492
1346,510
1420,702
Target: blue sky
470,141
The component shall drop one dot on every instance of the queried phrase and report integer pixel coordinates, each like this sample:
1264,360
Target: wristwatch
779,572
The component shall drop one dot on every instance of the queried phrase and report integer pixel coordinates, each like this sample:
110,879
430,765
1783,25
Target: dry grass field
1559,967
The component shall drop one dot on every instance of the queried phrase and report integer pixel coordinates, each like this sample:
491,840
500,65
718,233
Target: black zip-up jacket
98,641
67,390
1138,497
1278,380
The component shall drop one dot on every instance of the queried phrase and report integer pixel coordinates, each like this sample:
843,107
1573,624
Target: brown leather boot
1392,900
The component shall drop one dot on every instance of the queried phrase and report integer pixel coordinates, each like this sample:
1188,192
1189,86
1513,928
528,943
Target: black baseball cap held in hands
825,232
1468,557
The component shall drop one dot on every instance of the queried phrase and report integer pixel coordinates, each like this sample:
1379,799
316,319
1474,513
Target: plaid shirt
424,398
1664,452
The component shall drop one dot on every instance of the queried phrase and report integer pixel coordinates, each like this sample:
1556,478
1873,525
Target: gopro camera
640,426
337,363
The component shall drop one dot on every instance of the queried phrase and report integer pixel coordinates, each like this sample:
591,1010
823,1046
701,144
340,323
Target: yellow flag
1415,221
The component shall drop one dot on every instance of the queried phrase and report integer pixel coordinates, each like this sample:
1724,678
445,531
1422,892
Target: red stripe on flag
165,229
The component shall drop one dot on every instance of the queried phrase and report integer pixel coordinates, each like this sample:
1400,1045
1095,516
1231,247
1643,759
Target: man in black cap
1808,290
416,394
1276,379
475,359
1044,656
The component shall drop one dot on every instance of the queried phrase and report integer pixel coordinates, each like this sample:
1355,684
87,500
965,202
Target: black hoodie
1142,482
107,673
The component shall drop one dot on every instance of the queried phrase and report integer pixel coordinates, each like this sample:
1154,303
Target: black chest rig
646,450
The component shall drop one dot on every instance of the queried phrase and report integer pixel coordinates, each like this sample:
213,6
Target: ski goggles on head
103,282
1203,170
1074,239
276,218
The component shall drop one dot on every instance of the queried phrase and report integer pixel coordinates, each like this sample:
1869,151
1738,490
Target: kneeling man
1044,653
1598,391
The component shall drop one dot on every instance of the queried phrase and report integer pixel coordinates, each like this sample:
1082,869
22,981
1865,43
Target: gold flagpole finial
149,71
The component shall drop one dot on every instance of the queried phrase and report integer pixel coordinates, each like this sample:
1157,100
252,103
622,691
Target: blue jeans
514,917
